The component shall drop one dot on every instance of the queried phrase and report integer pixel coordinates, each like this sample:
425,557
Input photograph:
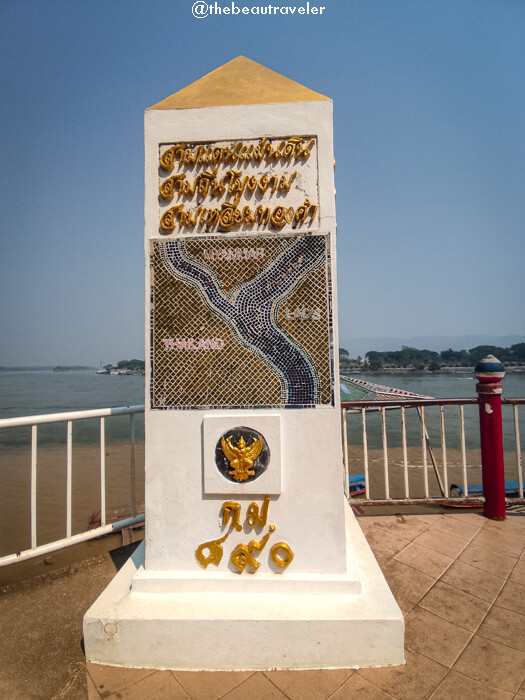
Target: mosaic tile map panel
241,322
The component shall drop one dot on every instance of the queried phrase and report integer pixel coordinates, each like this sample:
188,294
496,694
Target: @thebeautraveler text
202,9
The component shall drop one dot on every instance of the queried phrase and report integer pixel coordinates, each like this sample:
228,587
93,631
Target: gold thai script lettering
271,151
242,556
232,184
231,509
256,519
230,216
215,552
281,554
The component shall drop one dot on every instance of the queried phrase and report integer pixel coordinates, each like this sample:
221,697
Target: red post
490,372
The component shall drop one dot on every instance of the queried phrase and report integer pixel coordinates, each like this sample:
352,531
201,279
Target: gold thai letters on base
281,554
233,509
254,519
215,551
243,555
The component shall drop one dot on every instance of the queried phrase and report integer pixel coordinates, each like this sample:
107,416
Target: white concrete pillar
250,544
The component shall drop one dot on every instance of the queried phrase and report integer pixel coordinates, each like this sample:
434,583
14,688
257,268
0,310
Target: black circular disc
242,455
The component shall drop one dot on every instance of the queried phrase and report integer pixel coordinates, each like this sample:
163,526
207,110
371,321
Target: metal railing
69,418
430,465
515,403
378,481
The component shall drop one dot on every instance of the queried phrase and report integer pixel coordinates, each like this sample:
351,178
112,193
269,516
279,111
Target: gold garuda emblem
241,456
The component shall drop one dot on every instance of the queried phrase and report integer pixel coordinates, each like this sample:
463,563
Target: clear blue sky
429,113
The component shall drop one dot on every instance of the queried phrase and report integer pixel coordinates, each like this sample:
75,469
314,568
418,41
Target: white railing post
133,490
102,471
365,453
463,449
385,453
69,477
34,465
345,455
405,456
444,451
518,450
424,450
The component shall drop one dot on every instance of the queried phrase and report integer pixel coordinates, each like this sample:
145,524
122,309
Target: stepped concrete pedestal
252,558
307,623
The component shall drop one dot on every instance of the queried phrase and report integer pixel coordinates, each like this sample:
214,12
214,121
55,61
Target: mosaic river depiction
250,309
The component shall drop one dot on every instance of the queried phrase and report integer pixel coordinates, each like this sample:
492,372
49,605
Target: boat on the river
356,484
511,490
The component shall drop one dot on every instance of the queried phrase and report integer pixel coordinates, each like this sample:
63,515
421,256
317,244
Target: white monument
253,558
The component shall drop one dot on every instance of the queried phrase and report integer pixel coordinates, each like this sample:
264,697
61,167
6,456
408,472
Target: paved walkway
459,579
460,582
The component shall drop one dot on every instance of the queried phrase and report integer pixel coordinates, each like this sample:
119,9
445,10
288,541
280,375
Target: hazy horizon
355,347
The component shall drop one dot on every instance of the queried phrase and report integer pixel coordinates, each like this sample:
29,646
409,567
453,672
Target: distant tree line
127,366
131,364
414,359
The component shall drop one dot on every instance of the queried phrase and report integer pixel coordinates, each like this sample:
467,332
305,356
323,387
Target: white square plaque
242,454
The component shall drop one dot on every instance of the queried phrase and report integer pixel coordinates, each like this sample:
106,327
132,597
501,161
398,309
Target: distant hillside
437,343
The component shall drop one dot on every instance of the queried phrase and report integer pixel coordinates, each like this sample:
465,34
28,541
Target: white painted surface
217,630
240,122
308,514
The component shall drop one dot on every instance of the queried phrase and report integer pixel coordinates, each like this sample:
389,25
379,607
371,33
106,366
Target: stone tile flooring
460,581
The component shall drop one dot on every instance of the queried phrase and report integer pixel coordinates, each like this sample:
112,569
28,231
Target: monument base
238,631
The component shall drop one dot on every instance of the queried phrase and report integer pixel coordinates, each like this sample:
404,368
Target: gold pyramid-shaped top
239,82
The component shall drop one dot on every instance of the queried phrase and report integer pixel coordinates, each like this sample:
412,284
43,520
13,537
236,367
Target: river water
30,393
35,392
